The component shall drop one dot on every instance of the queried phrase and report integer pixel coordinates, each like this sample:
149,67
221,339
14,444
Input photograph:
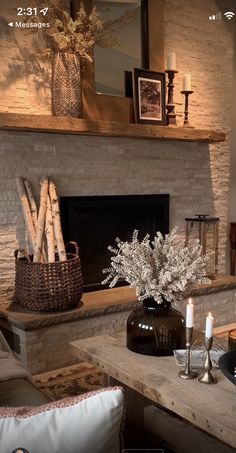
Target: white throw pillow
89,423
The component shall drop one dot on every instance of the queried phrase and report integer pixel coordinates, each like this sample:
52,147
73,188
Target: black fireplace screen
95,222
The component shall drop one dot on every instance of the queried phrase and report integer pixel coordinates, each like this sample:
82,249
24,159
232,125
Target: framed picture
128,84
149,96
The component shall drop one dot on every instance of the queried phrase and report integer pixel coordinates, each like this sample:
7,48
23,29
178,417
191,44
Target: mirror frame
106,107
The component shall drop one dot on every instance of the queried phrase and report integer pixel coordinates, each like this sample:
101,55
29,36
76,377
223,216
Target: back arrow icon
11,24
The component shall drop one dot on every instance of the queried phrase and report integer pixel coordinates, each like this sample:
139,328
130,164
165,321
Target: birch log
50,232
26,210
57,222
41,221
34,214
32,204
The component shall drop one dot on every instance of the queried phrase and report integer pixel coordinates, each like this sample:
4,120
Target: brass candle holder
186,112
170,106
206,377
188,373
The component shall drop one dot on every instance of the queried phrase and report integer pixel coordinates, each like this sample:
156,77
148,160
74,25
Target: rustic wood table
211,408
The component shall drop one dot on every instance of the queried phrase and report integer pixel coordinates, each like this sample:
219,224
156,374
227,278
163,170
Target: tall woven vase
66,84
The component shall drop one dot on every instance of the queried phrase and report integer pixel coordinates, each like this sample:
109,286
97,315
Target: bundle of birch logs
43,224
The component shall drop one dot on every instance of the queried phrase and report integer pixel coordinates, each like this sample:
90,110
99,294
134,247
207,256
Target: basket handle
75,245
23,252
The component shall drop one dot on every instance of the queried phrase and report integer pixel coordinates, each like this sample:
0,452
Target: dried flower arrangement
163,268
80,35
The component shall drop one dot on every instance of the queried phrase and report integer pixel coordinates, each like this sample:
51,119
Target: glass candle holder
232,340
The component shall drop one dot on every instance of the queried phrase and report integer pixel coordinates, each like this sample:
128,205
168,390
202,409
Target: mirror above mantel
110,63
117,108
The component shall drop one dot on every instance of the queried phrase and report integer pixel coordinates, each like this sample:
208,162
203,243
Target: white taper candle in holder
209,326
189,313
170,106
188,373
171,61
206,377
187,80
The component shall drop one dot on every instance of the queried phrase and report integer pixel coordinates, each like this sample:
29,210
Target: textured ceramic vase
155,329
66,84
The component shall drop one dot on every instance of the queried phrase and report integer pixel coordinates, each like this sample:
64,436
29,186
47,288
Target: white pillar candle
187,82
171,61
209,326
189,313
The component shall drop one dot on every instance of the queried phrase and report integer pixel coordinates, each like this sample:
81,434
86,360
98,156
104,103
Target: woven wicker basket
48,286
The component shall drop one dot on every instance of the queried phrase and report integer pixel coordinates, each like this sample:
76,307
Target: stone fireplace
100,166
195,175
106,166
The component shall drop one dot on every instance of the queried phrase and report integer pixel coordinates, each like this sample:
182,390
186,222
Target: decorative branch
50,232
32,204
41,221
26,210
80,35
34,213
57,222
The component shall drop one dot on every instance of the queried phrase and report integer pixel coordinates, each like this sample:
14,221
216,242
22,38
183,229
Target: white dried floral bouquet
81,34
163,268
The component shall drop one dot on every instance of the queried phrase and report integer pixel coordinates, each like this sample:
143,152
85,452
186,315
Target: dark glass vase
155,329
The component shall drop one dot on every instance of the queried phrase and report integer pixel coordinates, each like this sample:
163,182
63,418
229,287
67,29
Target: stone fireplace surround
86,165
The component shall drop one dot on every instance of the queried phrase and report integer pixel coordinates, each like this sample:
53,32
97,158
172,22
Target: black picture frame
128,79
149,96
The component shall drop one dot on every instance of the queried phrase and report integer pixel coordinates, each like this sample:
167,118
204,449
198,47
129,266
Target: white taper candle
189,313
187,82
209,326
171,61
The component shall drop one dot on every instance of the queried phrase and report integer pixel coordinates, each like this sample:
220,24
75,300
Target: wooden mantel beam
63,125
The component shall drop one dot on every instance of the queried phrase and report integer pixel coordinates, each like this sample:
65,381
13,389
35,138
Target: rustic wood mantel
62,125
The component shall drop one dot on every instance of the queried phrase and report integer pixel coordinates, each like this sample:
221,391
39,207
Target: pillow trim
22,412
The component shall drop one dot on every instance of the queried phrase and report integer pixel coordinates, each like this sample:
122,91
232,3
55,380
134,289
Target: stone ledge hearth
98,303
41,340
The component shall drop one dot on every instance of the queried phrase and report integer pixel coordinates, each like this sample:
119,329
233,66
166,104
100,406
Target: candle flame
190,301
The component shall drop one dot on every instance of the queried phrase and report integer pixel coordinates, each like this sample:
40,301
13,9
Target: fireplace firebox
95,222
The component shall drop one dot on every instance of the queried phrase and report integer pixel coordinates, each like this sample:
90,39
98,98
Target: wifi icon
229,15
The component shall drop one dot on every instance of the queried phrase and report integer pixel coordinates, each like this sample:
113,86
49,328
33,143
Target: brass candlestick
206,377
187,373
170,106
186,112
